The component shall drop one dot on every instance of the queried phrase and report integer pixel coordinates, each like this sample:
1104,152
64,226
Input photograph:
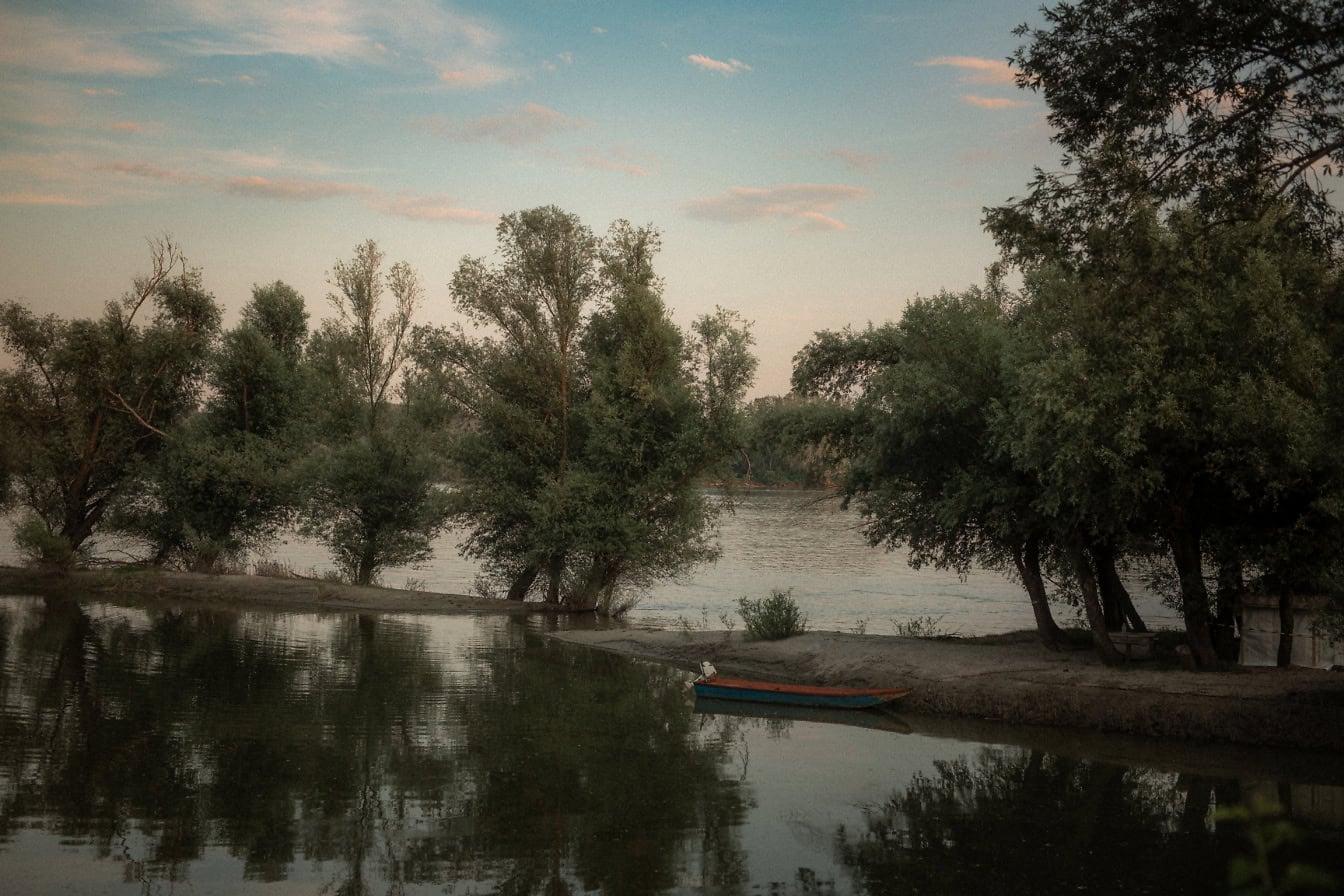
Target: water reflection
231,753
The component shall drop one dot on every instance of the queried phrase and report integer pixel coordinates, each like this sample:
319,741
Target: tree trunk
523,582
1096,619
1231,586
555,571
1285,657
1028,560
1120,610
1183,538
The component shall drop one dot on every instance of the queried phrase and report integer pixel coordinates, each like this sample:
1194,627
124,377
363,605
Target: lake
224,752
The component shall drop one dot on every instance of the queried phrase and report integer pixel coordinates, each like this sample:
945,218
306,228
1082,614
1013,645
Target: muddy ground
1008,678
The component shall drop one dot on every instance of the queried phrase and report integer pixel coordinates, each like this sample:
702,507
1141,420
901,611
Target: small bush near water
772,618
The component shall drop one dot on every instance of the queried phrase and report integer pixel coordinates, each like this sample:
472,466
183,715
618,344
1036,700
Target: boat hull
796,695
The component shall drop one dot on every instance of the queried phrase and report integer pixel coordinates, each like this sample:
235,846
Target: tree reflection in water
1018,820
366,754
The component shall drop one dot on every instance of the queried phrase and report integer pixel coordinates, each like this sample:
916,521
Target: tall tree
1236,104
88,401
592,416
224,483
372,493
920,403
1175,387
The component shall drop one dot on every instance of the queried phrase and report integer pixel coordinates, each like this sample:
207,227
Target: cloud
599,30
982,71
150,172
130,127
52,43
857,161
807,205
478,75
731,67
531,123
986,102
618,159
101,91
429,208
43,199
290,189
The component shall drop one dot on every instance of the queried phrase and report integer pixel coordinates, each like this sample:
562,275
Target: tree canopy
1237,104
591,416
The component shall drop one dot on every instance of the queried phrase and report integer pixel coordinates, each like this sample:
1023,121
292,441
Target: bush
39,546
772,618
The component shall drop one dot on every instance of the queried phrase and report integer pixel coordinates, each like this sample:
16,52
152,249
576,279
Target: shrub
772,618
39,546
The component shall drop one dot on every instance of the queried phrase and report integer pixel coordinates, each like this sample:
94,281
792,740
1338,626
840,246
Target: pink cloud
290,189
808,205
132,127
51,43
986,102
731,67
531,123
42,199
982,71
145,170
429,208
855,160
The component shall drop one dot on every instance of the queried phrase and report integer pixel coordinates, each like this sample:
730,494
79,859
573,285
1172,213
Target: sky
811,165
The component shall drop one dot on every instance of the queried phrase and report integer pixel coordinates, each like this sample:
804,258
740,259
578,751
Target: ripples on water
220,752
779,539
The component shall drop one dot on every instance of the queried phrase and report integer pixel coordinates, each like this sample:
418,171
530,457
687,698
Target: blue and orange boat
711,686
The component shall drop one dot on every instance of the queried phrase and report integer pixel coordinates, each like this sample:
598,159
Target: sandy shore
1005,678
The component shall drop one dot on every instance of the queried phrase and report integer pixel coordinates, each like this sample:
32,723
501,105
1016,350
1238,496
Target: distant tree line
575,419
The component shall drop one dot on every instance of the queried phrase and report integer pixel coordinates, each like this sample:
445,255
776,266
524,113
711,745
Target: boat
710,686
877,719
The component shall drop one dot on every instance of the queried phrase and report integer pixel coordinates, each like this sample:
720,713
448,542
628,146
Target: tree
1236,104
919,404
224,483
372,496
1174,388
591,416
89,401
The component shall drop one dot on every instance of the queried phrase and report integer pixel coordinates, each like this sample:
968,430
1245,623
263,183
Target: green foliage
1265,871
225,483
1245,115
772,618
370,488
592,416
89,402
39,546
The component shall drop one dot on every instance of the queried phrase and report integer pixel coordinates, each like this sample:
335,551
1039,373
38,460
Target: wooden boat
795,694
876,719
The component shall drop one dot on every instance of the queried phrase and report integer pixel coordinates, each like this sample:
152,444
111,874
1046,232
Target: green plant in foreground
920,627
772,618
1259,873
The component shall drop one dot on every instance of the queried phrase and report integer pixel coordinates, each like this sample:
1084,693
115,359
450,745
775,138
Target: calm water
211,752
774,539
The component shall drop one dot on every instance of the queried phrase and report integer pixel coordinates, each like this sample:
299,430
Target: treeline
576,419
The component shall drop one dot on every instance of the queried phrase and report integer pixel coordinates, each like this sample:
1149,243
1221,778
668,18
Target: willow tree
87,402
372,496
223,484
592,418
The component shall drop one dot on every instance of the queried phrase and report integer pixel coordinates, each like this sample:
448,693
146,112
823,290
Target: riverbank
1001,678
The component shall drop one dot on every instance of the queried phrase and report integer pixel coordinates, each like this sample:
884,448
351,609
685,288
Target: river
224,752
802,541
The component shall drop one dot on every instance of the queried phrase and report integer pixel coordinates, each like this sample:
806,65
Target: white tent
1260,631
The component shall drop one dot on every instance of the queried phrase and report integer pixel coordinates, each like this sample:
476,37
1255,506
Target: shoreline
1000,678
